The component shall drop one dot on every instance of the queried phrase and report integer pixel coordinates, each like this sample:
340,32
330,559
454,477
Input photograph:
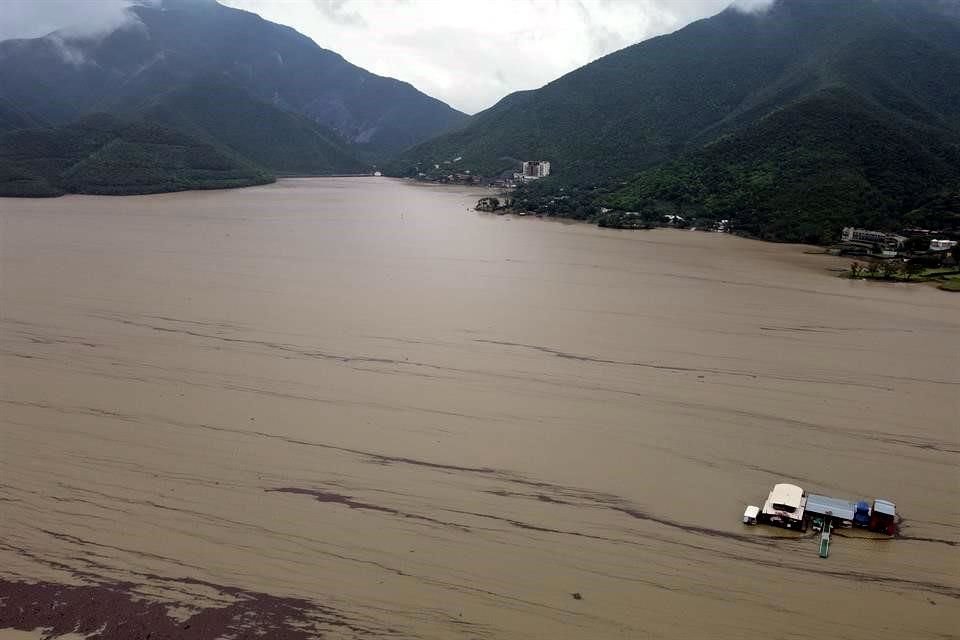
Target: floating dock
790,506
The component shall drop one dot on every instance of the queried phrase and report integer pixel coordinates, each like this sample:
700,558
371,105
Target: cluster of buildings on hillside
881,244
447,172
532,170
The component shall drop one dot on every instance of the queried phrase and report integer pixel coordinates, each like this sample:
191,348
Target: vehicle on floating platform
790,506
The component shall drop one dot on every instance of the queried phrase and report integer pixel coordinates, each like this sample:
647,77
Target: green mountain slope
103,155
652,101
803,172
13,118
283,142
175,42
859,85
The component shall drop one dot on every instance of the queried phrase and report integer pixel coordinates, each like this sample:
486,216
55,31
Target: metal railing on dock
825,535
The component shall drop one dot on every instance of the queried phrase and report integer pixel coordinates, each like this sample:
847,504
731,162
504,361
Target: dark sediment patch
348,501
114,611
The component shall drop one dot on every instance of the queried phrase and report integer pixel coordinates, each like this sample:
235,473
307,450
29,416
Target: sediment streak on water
292,410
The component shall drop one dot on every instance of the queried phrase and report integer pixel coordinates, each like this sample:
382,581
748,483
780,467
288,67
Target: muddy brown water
354,408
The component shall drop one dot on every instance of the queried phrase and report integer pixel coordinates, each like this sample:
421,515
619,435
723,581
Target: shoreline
944,284
275,179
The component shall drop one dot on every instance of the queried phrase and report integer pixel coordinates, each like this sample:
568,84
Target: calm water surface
358,405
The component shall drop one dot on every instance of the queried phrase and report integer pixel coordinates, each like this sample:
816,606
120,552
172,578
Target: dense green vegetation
207,135
548,197
248,97
13,118
912,270
17,180
805,171
942,211
104,155
283,142
951,284
791,122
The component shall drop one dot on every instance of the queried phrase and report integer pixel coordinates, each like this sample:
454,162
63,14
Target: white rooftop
885,507
788,495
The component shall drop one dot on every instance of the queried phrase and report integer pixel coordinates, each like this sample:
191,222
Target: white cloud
752,6
35,18
472,53
469,53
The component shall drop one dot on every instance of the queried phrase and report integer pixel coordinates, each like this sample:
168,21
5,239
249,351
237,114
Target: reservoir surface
355,408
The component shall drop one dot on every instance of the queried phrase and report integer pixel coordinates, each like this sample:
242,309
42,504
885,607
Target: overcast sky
468,53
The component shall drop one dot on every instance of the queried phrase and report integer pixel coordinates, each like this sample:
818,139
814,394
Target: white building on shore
533,170
889,241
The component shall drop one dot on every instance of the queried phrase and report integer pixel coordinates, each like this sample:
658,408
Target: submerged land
353,408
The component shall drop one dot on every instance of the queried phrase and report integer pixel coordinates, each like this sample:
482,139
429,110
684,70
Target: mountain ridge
669,97
60,78
604,85
225,115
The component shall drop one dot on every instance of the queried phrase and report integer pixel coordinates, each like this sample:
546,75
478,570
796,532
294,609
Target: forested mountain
803,172
101,154
172,43
225,115
13,118
789,120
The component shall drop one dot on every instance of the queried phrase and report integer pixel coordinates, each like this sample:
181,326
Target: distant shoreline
146,192
212,187
290,176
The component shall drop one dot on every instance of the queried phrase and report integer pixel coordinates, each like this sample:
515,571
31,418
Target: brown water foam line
354,360
600,500
679,369
348,501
